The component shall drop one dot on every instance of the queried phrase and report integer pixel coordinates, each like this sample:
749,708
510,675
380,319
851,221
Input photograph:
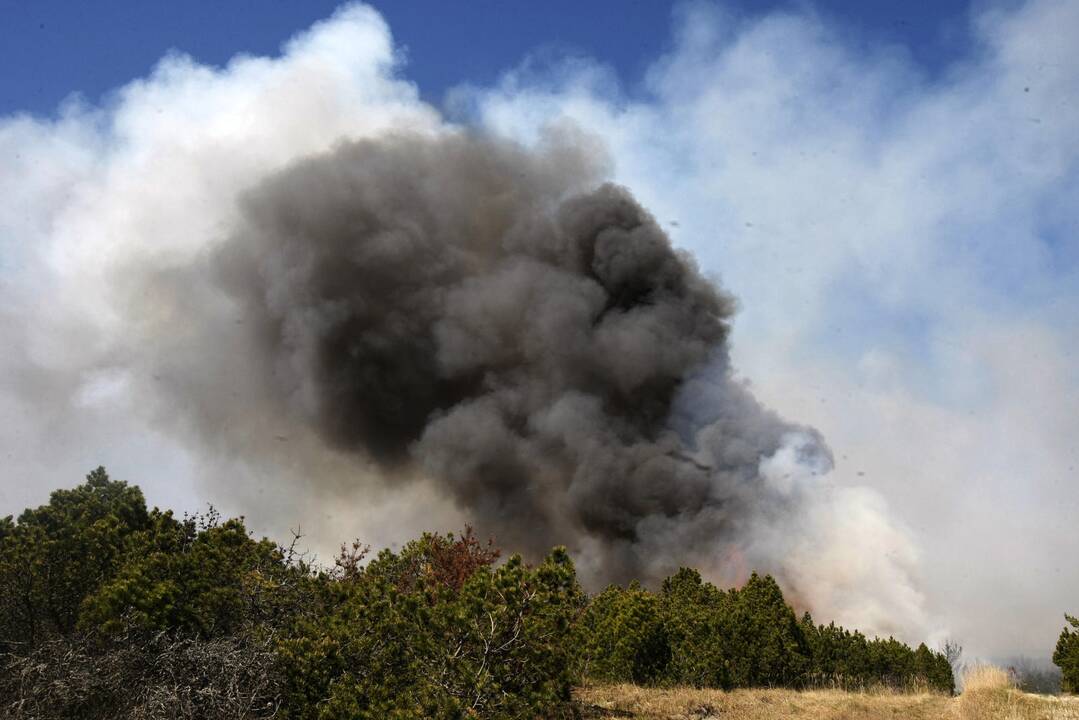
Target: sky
56,48
888,192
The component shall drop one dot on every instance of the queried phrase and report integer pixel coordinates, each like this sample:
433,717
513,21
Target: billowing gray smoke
495,319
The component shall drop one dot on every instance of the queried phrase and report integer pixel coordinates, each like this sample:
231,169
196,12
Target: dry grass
628,701
981,678
990,695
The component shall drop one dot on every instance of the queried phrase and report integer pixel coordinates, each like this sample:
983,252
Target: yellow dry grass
986,677
629,701
989,696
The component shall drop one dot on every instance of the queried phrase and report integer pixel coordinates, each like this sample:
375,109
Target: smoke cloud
902,238
337,310
493,319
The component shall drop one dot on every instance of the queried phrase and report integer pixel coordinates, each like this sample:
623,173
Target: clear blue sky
51,48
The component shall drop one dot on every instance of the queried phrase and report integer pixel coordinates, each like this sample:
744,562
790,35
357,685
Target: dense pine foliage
692,633
111,610
1066,656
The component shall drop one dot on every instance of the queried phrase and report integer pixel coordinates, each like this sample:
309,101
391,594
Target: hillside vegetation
113,610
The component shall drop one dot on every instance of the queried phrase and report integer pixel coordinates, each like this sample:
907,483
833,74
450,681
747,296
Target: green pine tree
1066,656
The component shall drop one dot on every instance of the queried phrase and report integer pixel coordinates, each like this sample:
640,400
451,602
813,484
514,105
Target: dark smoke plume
493,318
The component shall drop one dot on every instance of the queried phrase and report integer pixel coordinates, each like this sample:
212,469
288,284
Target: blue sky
52,48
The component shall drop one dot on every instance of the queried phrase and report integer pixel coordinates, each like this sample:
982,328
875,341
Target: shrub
209,581
138,675
768,647
623,637
54,556
695,615
412,641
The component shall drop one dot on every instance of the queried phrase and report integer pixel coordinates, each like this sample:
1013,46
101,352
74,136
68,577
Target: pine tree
1066,656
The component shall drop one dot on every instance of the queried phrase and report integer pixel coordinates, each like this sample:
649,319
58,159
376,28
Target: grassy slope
985,702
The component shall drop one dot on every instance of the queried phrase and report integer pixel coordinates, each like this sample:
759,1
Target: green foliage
406,643
768,648
849,660
701,639
839,656
623,637
1066,656
692,633
934,668
206,581
54,556
128,608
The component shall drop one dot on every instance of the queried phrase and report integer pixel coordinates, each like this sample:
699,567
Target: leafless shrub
953,651
141,676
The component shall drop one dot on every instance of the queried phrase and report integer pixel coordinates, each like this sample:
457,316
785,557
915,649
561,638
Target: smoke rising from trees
332,308
492,318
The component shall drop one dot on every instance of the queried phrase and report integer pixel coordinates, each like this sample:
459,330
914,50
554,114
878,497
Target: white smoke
846,540
151,179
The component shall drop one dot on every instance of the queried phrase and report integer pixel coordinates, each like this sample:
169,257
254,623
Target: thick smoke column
149,325
407,330
492,318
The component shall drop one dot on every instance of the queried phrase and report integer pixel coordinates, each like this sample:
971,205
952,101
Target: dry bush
141,676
